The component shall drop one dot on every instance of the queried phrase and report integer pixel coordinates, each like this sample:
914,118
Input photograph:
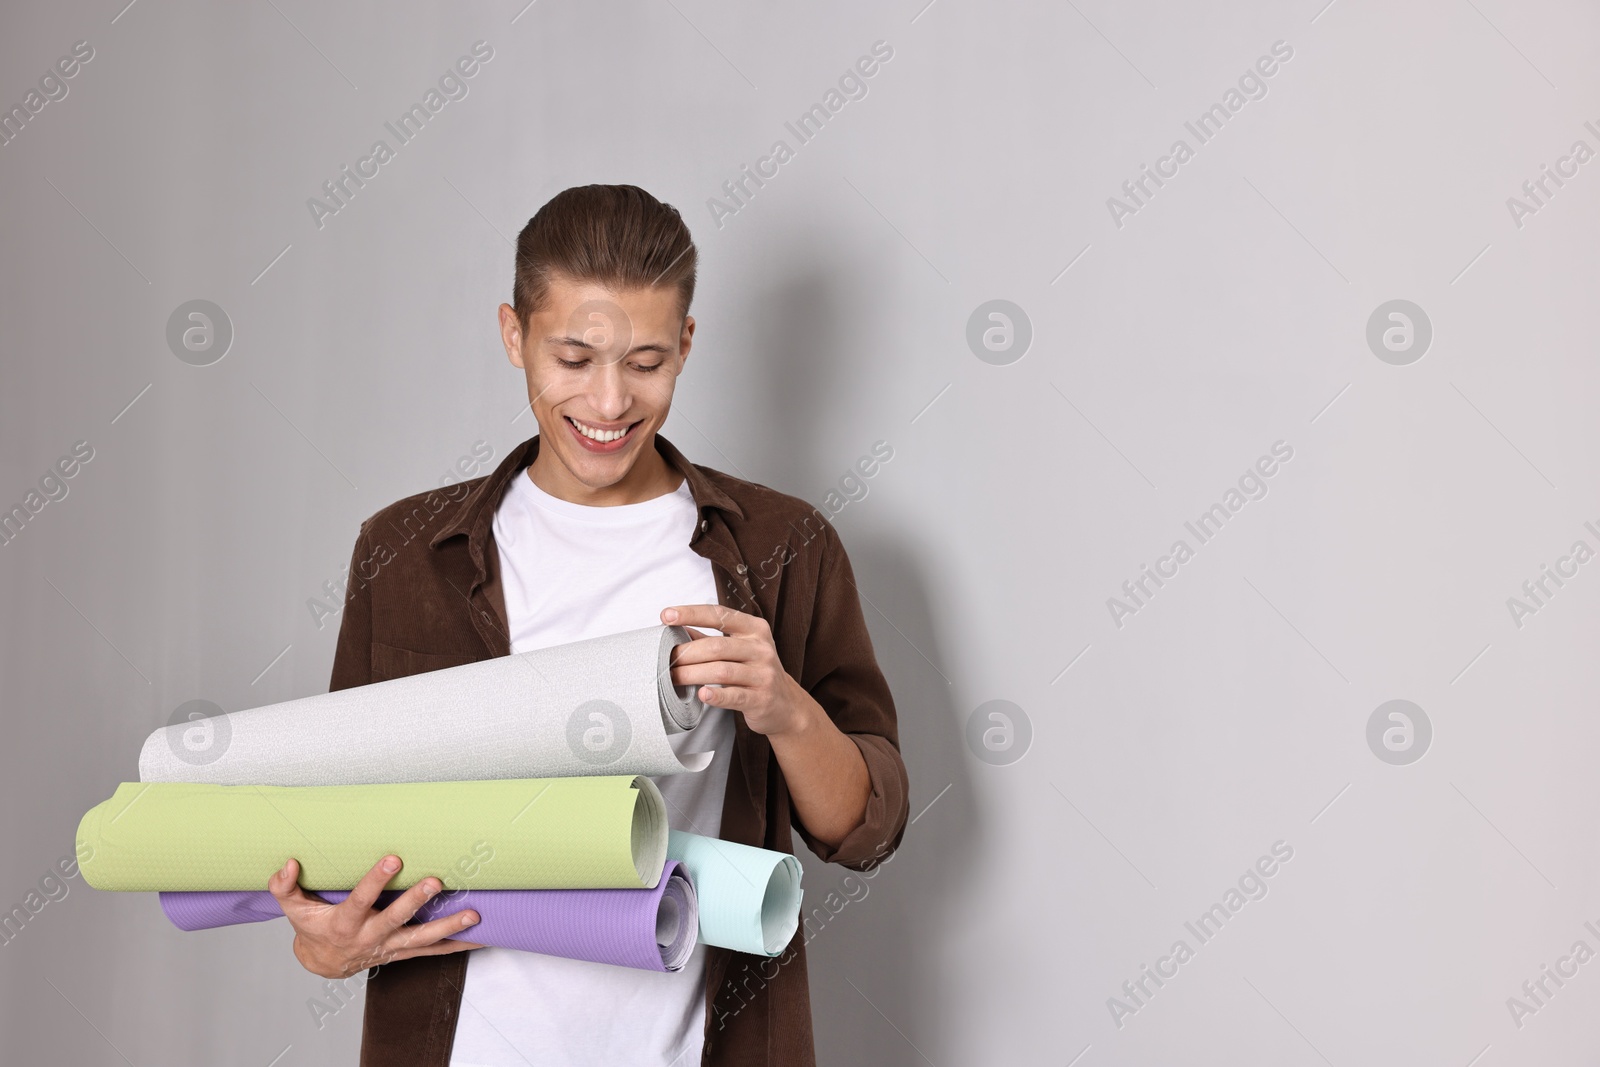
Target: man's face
601,366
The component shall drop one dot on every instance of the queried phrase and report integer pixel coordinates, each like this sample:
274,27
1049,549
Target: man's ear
685,338
511,334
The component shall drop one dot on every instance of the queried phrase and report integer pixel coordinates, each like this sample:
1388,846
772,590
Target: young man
594,526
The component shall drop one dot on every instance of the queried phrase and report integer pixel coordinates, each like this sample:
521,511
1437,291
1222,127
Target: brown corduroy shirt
424,593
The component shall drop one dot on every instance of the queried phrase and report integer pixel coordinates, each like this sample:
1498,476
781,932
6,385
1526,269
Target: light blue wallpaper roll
749,897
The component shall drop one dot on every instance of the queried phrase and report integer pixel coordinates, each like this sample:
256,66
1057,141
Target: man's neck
651,476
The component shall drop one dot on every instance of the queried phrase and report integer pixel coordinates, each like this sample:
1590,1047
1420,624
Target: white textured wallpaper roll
601,706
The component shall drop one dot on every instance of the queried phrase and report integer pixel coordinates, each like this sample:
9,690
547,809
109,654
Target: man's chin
599,470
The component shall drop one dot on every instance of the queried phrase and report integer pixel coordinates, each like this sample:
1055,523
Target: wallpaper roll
650,929
602,832
604,706
749,897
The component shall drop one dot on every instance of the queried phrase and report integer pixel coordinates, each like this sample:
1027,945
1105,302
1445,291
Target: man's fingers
732,697
365,894
719,672
438,948
428,933
710,649
401,910
711,617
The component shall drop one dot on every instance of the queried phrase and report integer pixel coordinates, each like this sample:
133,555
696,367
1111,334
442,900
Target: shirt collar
475,514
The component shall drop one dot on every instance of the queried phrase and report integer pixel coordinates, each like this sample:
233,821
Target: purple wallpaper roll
650,929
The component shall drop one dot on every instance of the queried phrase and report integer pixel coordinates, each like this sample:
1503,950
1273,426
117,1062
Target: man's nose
610,395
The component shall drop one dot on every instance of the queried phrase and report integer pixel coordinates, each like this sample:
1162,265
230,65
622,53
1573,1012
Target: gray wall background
1163,756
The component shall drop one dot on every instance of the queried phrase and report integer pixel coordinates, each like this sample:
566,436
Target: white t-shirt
571,572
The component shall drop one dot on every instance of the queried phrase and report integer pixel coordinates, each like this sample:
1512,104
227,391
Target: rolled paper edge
650,832
681,888
681,706
88,833
784,894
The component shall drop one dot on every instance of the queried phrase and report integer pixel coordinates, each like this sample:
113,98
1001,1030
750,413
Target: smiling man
595,526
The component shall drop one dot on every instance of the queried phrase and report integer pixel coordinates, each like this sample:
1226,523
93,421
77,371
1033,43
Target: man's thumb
282,882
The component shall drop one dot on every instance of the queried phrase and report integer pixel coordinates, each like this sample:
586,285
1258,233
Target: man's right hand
337,940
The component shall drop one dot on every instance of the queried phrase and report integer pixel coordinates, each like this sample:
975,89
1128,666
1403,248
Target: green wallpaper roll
599,832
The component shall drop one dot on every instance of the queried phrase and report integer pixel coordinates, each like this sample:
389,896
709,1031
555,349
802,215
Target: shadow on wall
883,938
887,941
799,324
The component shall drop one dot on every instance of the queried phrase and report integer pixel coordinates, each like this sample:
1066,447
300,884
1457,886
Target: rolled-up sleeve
841,673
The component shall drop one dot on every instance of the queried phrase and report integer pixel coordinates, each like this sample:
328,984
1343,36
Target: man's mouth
600,437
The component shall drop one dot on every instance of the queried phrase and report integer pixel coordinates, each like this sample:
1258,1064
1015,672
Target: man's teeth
598,435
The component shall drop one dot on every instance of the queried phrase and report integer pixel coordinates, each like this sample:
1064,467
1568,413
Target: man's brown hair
616,235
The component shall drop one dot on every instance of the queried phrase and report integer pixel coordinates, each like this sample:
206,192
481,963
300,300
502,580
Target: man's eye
570,363
647,368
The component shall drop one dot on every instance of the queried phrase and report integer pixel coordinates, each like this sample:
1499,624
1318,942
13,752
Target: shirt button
704,525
